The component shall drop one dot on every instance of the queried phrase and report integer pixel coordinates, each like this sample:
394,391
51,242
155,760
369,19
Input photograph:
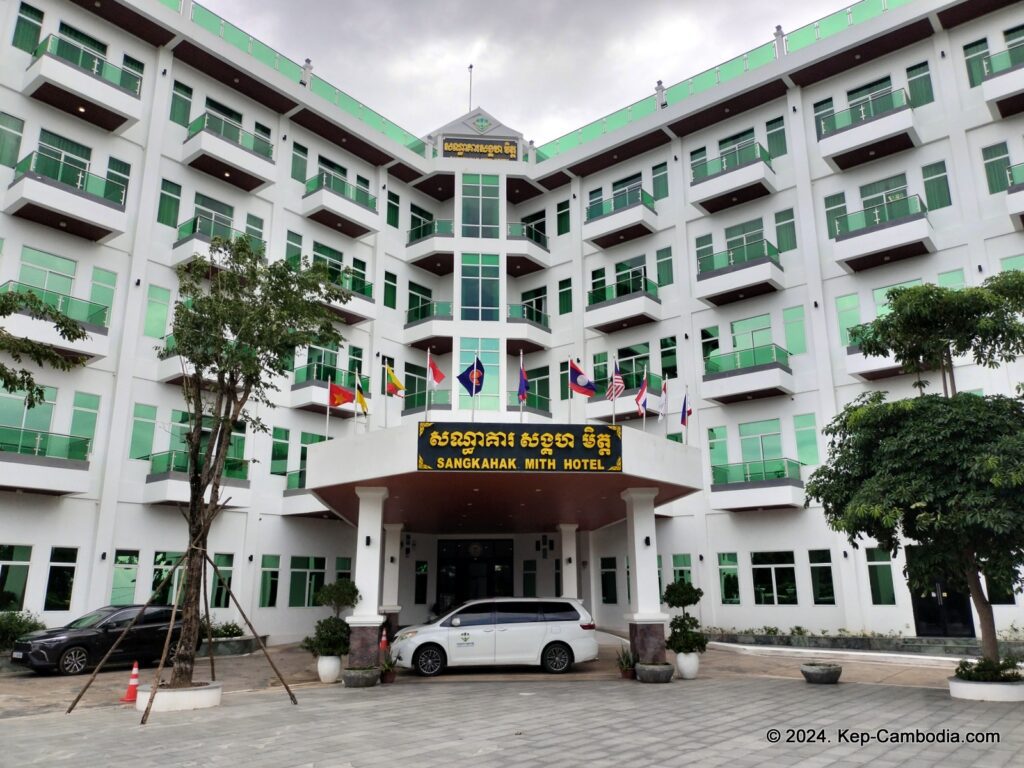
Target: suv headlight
405,635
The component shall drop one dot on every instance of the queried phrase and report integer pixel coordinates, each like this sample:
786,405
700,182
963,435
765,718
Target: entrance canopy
445,477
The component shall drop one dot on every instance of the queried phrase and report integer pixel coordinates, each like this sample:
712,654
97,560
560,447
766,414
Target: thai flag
641,397
687,412
524,384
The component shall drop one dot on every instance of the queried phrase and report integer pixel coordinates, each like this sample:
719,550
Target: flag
641,397
664,399
338,396
473,377
360,398
687,412
435,373
579,382
524,384
394,386
616,386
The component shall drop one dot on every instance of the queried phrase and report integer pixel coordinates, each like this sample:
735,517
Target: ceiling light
236,79
227,174
81,109
63,224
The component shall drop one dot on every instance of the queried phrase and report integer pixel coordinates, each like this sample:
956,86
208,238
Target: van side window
559,612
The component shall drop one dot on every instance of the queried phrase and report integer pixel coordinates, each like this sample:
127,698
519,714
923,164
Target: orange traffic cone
133,686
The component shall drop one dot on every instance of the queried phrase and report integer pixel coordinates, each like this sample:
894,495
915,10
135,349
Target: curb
874,657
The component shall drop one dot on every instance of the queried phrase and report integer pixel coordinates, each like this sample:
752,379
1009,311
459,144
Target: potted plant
387,666
987,680
328,644
626,662
821,672
685,637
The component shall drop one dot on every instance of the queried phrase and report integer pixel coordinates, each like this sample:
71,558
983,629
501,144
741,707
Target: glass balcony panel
723,362
533,400
71,175
29,442
439,227
627,287
741,254
518,230
438,309
624,198
212,228
338,185
877,106
529,313
77,309
177,461
756,471
1003,61
1016,174
730,160
889,211
232,132
89,61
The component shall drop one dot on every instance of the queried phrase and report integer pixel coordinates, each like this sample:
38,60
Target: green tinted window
27,28
659,181
806,439
143,429
10,139
848,315
394,209
718,446
181,104
565,296
562,217
269,577
729,578
158,303
300,155
936,186
776,135
821,577
170,203
1012,263
919,84
390,290
997,163
83,416
785,231
953,279
793,324
480,205
880,576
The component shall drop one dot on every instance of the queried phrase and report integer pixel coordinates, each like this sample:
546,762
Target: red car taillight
591,625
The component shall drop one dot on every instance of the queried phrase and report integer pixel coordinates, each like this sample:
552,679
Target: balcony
535,405
167,481
625,304
75,80
344,207
747,374
897,229
68,198
738,273
529,329
625,216
93,318
430,326
171,370
757,485
880,126
299,500
868,368
416,402
1015,195
527,249
196,235
600,408
43,462
1002,85
311,383
431,246
224,150
736,177
360,306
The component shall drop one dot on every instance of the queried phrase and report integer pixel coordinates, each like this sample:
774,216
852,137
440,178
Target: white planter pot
687,665
328,668
201,696
966,689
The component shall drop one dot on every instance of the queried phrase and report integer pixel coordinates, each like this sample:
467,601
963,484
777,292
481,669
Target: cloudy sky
544,67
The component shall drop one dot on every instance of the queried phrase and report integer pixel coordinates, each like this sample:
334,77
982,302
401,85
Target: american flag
616,386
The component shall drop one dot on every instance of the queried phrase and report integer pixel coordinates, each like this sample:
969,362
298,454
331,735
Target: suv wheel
556,659
429,660
73,661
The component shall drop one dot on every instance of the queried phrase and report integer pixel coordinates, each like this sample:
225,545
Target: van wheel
429,660
556,659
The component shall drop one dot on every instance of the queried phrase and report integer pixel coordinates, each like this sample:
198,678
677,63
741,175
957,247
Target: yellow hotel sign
489,149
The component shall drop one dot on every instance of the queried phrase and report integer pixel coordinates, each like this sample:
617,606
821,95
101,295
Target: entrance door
940,611
469,569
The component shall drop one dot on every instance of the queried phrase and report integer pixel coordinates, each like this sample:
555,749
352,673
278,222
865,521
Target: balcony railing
730,160
533,400
338,185
442,310
739,255
1002,61
884,213
29,442
1016,174
518,230
211,228
331,374
437,228
232,132
529,313
738,359
70,175
343,278
619,201
77,309
675,437
628,287
756,471
438,397
89,61
177,461
877,106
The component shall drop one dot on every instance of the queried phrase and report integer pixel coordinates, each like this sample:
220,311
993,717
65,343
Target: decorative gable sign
488,149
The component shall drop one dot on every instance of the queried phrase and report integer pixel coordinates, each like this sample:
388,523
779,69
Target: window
884,191
563,378
126,573
669,365
269,575
158,303
953,279
562,217
307,577
1011,263
793,325
633,361
630,276
489,397
822,587
332,261
880,576
663,260
116,188
481,280
823,111
703,248
254,229
215,215
847,315
785,230
919,83
143,428
751,332
420,222
609,586
181,104
480,204
343,568
997,164
936,186
806,439
718,446
776,134
774,576
14,562
420,584
279,451
221,597
390,290
565,296
86,41
709,341
10,139
659,181
536,225
46,271
394,209
864,93
14,413
28,27
83,415
681,569
415,384
529,578
535,303
741,235
835,211
760,442
697,158
729,578
300,156
558,577
974,58
170,203
101,292
600,368
163,562
881,296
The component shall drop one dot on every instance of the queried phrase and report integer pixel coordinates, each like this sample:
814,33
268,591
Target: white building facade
721,234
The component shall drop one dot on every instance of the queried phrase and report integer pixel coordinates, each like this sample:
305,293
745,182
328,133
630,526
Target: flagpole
643,383
327,419
568,380
664,403
616,363
384,379
430,378
686,404
476,389
522,401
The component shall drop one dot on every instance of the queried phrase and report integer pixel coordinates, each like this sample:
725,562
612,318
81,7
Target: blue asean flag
524,384
473,377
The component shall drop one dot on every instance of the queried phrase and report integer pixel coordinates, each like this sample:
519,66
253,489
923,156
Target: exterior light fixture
368,541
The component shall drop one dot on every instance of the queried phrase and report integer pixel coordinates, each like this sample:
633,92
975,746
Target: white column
392,552
567,532
641,546
368,550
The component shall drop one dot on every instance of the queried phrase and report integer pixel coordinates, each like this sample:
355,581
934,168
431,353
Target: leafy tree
936,471
237,322
19,348
338,595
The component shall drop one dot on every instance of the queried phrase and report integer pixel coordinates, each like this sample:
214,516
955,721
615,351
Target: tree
237,322
19,348
935,471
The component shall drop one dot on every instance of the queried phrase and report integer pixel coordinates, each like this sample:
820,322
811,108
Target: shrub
988,671
798,631
624,658
330,638
338,595
14,624
768,630
685,635
220,629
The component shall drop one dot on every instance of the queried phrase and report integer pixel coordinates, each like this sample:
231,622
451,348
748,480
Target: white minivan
552,632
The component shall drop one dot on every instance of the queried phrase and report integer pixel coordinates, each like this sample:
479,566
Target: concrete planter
328,668
360,678
821,673
973,691
199,696
927,646
232,646
654,673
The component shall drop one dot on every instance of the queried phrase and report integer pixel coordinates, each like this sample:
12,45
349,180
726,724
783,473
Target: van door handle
503,629
489,630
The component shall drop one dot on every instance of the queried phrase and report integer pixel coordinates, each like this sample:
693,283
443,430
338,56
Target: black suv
81,644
